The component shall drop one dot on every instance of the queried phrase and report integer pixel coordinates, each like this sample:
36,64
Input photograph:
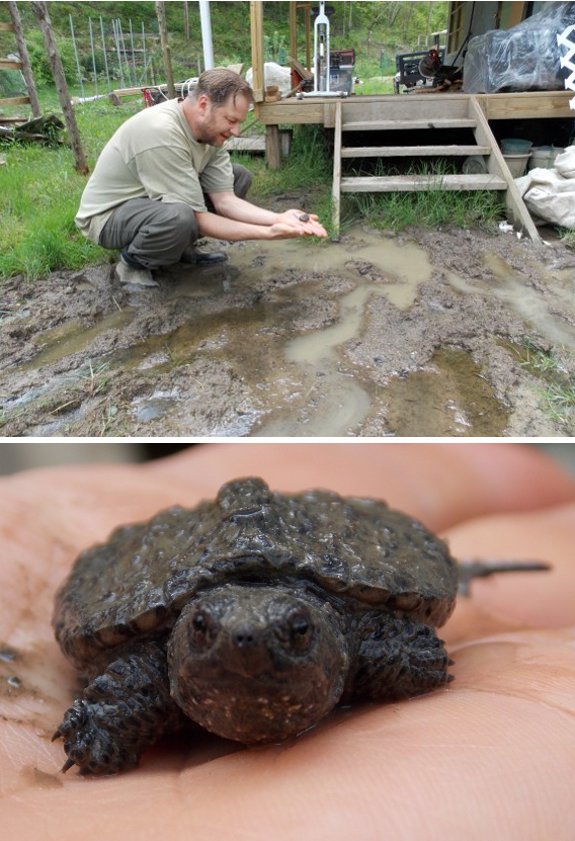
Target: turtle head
257,663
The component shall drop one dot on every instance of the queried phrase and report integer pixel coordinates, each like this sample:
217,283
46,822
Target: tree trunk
25,59
161,15
41,11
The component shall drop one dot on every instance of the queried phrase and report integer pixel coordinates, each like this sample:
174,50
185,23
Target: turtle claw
67,765
57,735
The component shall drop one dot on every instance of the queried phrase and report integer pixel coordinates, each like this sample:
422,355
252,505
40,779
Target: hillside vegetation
376,30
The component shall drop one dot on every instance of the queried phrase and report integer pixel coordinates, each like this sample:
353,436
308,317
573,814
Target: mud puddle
382,335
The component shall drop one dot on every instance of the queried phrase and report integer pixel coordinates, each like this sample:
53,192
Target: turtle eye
201,629
300,631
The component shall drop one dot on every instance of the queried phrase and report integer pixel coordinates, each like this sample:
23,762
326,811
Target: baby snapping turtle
253,616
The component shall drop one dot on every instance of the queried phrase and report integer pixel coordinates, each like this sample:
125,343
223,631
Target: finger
537,599
442,484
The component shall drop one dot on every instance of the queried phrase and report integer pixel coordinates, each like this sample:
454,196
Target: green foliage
275,48
368,27
39,60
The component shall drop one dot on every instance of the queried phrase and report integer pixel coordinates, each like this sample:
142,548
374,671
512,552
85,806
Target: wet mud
419,334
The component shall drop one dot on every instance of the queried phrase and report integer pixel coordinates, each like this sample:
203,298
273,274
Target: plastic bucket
517,164
515,146
544,156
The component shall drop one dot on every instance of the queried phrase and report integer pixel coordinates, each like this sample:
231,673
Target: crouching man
164,180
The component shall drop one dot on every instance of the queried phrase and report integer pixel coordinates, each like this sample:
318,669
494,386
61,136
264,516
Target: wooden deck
421,112
535,105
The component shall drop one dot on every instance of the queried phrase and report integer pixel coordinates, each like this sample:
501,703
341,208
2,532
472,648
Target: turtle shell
358,550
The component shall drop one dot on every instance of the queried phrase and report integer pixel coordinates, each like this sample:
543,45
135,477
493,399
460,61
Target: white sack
550,193
274,74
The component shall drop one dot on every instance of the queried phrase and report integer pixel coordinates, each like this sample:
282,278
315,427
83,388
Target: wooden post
25,59
41,11
307,37
293,30
257,33
273,148
161,15
186,20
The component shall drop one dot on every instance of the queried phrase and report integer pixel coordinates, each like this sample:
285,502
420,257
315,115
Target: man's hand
489,756
306,224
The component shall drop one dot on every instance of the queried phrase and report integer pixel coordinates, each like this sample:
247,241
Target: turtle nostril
244,638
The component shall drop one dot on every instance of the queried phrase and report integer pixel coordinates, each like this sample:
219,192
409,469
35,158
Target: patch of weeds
429,208
109,421
309,165
96,379
559,393
561,401
567,238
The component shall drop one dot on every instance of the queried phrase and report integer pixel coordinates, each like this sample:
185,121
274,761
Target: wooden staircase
425,114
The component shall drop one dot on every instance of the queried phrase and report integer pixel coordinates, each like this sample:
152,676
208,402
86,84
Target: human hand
307,224
489,756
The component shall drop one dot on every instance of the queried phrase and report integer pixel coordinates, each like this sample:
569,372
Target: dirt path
423,334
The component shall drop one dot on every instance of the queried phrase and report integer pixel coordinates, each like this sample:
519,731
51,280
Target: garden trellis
113,53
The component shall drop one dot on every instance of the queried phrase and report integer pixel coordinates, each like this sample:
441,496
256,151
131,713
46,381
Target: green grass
309,165
429,208
40,194
559,391
567,238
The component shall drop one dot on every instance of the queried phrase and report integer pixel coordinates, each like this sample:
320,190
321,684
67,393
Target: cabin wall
483,17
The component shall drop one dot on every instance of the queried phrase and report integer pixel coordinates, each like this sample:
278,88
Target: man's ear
203,104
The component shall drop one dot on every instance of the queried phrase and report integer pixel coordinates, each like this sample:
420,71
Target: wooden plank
415,124
531,105
9,64
329,113
6,27
336,184
364,108
15,100
246,144
257,44
409,183
412,151
291,111
497,166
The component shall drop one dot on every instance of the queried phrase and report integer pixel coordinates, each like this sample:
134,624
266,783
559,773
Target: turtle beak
245,652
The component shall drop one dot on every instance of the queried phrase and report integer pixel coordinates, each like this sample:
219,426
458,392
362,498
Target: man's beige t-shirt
152,155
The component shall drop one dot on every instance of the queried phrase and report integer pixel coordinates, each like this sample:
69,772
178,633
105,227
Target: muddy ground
418,334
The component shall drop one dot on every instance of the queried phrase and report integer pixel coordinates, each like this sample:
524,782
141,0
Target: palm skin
491,755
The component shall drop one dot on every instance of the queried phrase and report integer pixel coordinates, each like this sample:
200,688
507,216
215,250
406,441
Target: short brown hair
219,83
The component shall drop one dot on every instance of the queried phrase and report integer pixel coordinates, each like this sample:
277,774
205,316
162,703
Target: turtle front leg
397,658
120,713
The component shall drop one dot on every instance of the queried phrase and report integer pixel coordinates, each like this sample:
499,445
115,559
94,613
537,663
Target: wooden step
452,150
14,100
407,183
414,124
10,64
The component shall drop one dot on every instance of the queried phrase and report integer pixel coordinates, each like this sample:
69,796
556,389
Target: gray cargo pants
152,234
